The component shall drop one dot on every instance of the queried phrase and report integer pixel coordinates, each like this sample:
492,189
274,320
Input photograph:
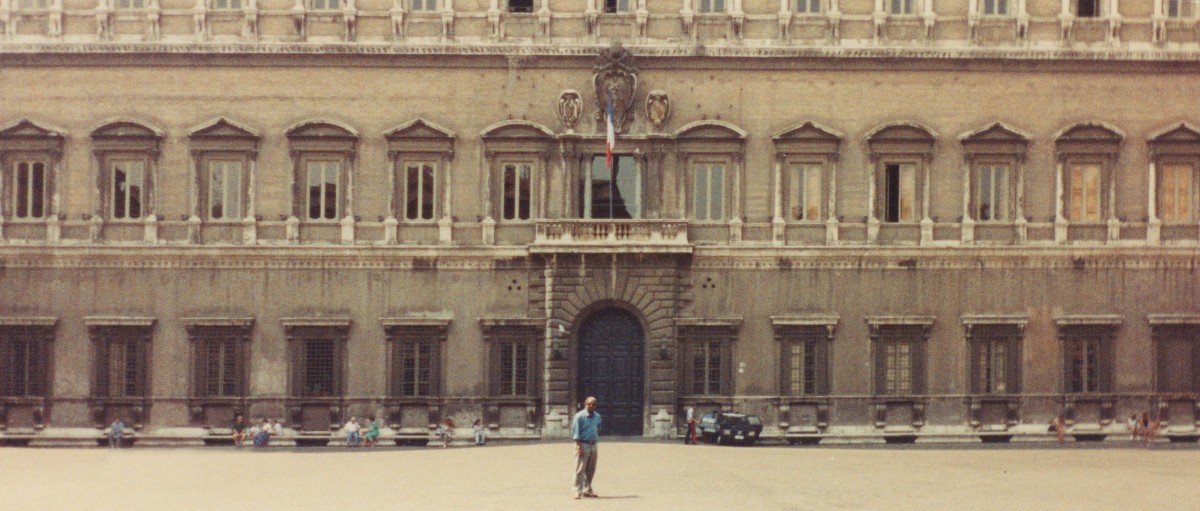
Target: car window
754,420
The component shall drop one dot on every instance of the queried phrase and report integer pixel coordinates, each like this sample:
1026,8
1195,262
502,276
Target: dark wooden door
610,368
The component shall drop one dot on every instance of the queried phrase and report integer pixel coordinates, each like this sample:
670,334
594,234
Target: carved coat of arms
615,74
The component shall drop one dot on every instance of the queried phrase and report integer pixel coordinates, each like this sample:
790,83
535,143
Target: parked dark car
730,428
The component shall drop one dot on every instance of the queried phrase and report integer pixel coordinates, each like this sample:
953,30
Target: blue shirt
584,427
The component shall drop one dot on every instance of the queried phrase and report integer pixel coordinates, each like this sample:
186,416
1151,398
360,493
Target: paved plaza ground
633,474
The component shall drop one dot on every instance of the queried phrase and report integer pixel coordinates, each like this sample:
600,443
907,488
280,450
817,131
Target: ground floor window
318,360
416,358
1178,354
900,359
23,356
121,361
220,360
995,358
804,360
1087,359
514,356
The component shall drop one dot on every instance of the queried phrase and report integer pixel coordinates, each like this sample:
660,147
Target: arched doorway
611,348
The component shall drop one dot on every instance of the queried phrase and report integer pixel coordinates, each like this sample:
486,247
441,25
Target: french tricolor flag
611,134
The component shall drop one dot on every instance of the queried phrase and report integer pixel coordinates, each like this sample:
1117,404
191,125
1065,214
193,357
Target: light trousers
585,468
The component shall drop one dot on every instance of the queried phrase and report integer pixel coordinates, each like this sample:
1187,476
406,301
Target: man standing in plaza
585,429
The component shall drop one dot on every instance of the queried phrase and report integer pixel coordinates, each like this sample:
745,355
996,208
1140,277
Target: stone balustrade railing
568,232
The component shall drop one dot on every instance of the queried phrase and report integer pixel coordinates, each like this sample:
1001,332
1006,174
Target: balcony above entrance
631,236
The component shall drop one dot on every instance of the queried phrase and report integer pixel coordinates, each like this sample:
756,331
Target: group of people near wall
364,434
1143,427
260,432
445,432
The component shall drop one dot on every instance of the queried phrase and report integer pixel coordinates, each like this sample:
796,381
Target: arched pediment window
900,157
127,153
806,158
421,153
31,155
1087,157
1174,178
516,158
224,154
712,154
323,157
993,175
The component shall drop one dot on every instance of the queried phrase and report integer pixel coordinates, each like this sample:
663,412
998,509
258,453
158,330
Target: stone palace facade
858,219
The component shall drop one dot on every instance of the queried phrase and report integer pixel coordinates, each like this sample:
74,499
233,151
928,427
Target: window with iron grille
121,360
220,360
318,359
416,359
900,359
1178,347
804,360
516,352
995,358
707,352
1087,359
23,356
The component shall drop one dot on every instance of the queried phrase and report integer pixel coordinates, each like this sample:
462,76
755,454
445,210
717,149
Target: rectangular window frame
587,184
809,7
804,203
225,5
419,205
711,6
1087,358
515,353
129,347
302,335
220,358
902,7
120,200
1180,9
129,5
900,358
994,351
706,205
418,6
1185,333
237,188
891,208
1091,9
804,359
25,357
1177,206
999,207
996,8
1076,207
521,6
522,189
415,358
307,163
324,5
29,195
706,364
617,6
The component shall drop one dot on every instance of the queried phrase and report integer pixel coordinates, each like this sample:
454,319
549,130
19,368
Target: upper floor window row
324,155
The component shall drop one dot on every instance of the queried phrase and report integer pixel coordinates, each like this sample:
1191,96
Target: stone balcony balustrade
611,235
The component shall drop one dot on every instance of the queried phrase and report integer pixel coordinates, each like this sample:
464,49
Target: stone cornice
21,52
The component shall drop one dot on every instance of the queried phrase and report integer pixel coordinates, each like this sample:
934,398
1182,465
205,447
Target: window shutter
101,366
494,368
297,355
918,363
822,369
200,367
1068,347
880,366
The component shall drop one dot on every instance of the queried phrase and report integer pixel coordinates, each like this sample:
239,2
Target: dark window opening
320,375
520,5
22,364
1088,8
